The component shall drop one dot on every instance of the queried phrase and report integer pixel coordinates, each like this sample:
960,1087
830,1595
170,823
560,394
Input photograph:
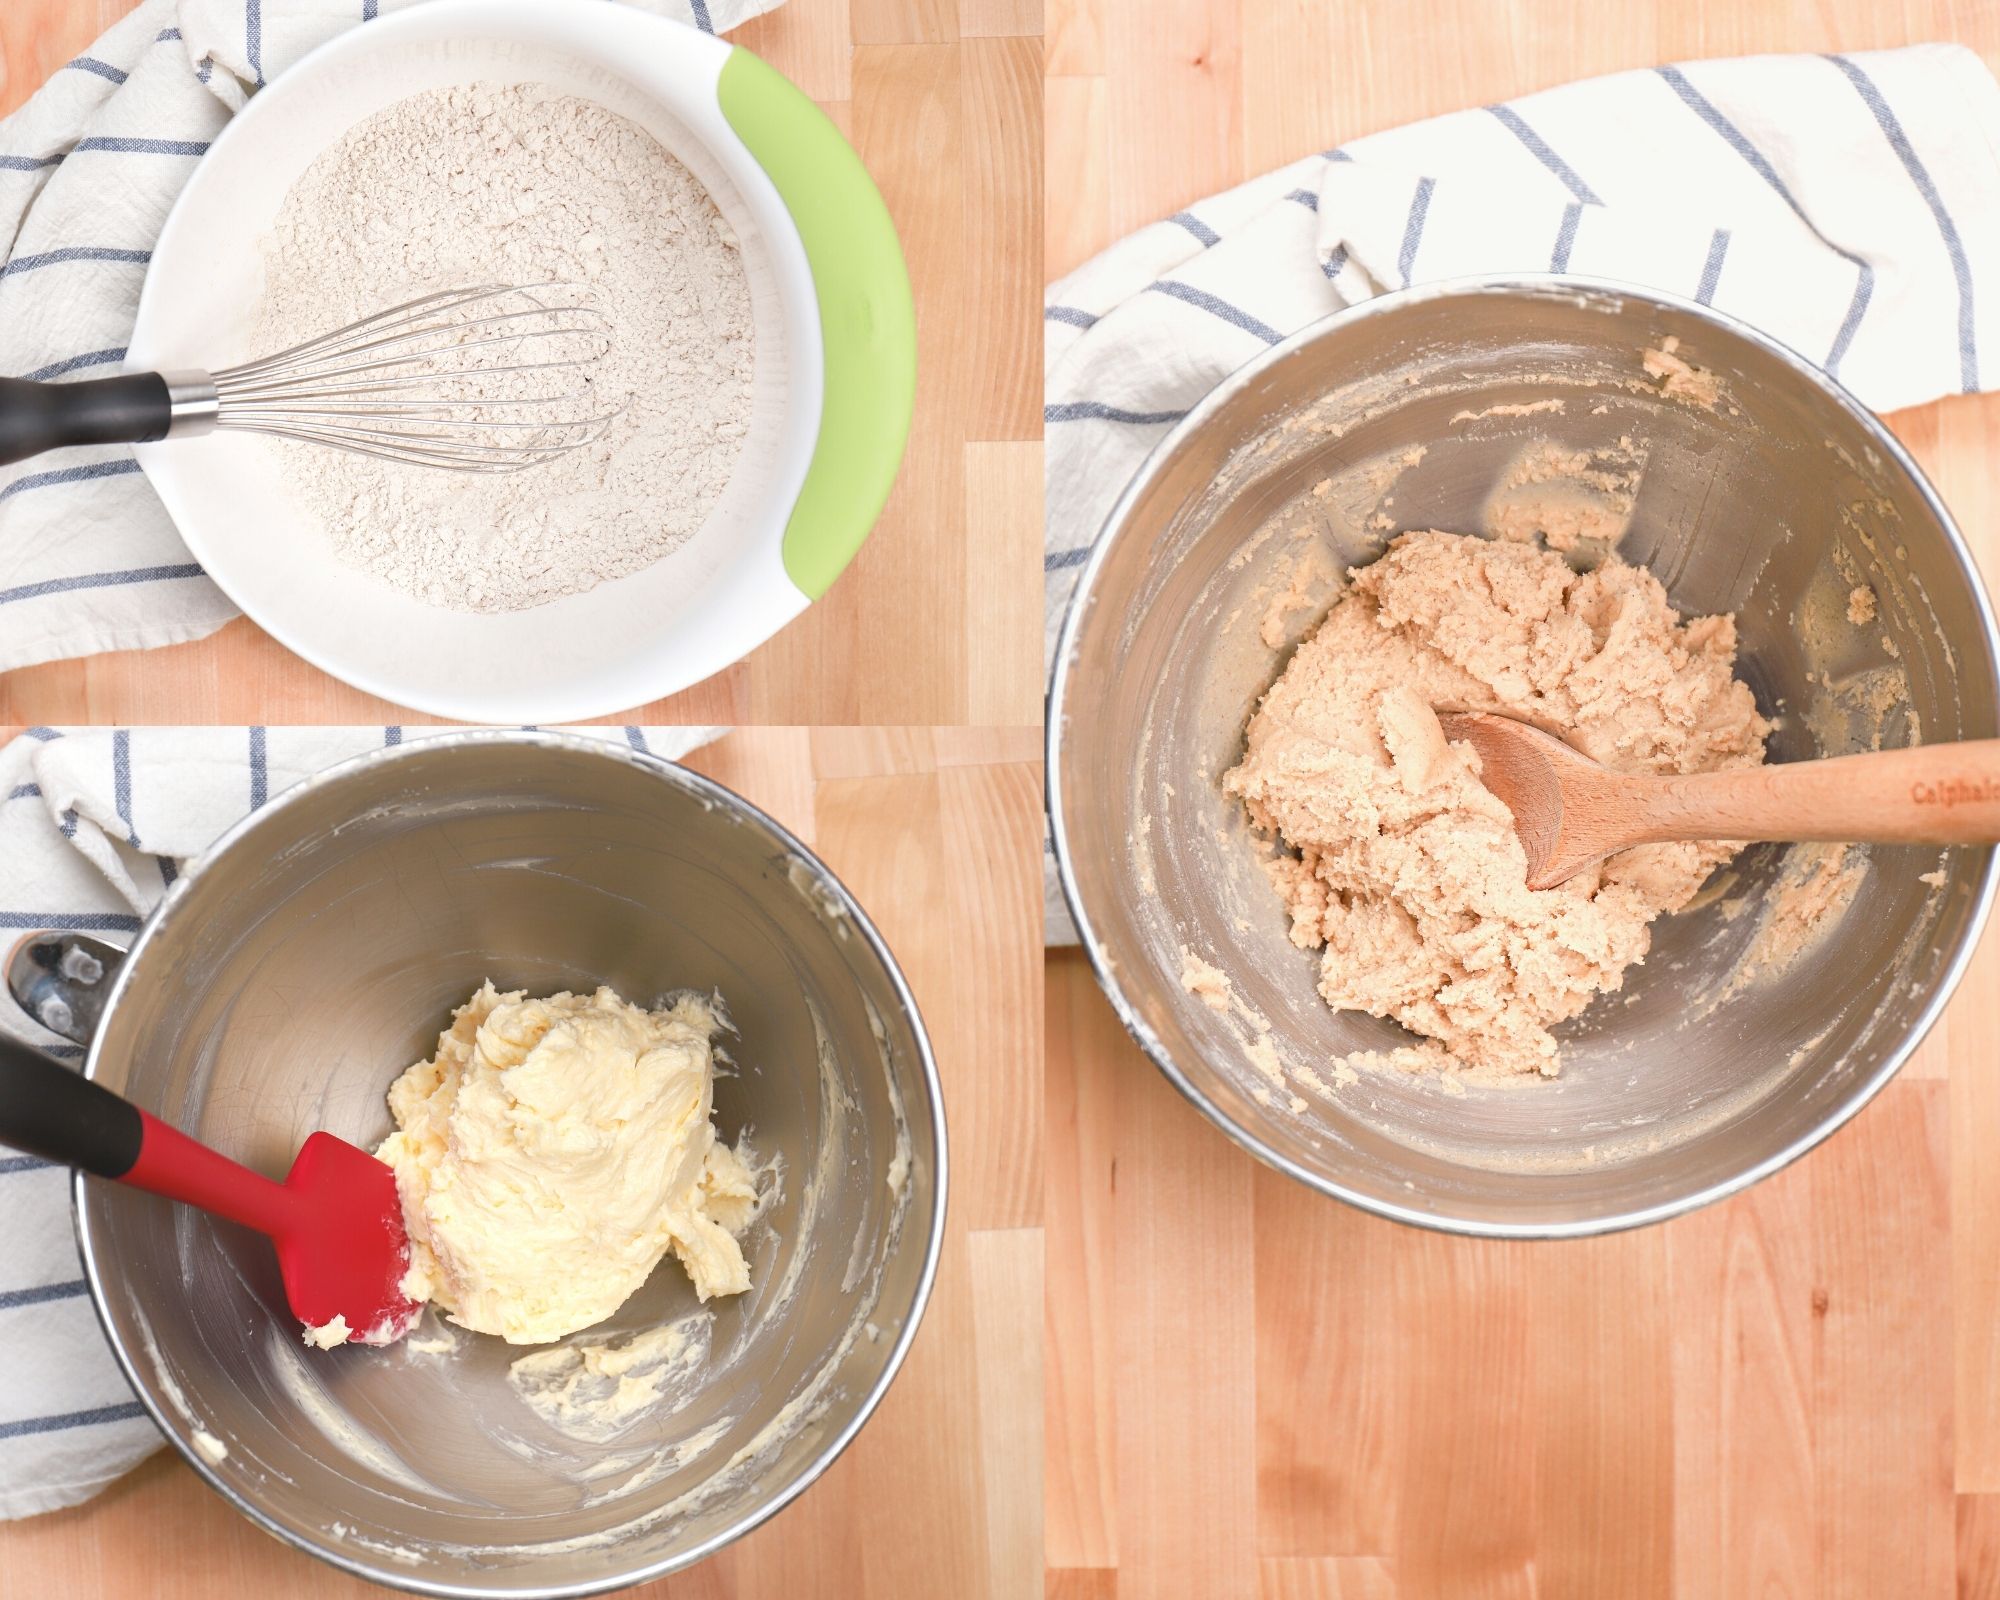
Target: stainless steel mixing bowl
315,952
1673,1092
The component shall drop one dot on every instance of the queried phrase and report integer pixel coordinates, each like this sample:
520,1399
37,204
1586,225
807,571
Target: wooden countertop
939,618
1254,1391
938,833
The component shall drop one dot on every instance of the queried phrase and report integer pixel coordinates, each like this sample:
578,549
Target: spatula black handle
46,416
48,1110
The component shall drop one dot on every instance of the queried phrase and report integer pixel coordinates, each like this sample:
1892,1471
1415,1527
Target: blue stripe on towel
1711,269
29,163
1070,315
1538,147
121,781
1335,261
260,777
130,1410
1566,237
168,871
118,144
90,469
22,1164
1095,411
90,358
42,1293
73,252
1304,197
1057,560
165,34
1194,225
253,37
1961,270
25,791
1413,230
700,10
636,738
1734,137
103,69
71,921
99,580
1217,307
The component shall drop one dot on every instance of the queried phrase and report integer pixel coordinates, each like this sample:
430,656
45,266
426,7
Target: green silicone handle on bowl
867,318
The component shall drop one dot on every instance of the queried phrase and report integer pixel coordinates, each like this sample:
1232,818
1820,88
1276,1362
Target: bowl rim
178,1430
1542,286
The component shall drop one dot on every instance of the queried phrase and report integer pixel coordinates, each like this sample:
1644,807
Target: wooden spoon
1571,812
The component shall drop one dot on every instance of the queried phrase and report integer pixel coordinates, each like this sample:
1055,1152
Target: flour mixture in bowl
1401,864
520,184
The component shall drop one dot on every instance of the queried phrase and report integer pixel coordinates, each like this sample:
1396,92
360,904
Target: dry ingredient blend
519,184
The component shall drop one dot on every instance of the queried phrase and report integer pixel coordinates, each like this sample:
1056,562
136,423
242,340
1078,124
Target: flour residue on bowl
1678,377
300,1379
1861,686
1573,501
210,1448
593,1390
1204,980
495,183
432,1336
1815,887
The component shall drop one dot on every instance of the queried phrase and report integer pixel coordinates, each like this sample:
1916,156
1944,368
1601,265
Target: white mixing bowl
835,347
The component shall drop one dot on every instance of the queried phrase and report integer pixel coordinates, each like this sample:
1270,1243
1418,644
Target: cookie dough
1400,864
553,1151
330,1335
1208,984
1678,377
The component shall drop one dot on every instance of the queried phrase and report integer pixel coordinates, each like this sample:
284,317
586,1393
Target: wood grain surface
1254,1391
937,832
939,618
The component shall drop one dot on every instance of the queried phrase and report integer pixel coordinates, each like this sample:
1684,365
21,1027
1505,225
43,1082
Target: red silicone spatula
336,1220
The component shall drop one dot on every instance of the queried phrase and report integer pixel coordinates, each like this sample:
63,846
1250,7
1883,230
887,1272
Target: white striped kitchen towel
94,825
89,560
1847,205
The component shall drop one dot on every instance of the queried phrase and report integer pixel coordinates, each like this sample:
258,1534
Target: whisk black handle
45,416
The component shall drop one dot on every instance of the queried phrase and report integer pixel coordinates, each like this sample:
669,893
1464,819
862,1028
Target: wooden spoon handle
1931,794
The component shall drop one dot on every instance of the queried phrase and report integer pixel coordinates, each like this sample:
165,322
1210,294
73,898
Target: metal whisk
495,378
